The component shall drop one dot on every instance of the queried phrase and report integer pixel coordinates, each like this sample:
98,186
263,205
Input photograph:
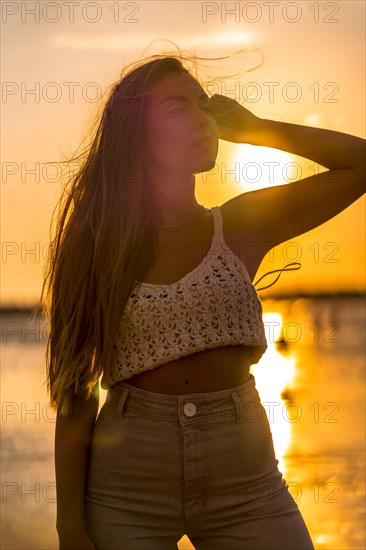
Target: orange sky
56,61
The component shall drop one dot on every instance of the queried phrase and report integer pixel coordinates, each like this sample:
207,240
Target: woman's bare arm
278,213
72,447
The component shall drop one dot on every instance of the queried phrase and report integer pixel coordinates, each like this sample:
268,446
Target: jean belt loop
238,406
121,403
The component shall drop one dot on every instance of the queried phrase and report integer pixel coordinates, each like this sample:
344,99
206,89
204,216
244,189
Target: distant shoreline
11,309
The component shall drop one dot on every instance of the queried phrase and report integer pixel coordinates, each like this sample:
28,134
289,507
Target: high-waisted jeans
200,464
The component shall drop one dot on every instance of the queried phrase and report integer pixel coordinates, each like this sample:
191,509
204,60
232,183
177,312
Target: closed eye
205,107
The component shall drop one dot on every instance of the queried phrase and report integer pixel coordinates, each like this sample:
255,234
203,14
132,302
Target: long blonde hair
104,241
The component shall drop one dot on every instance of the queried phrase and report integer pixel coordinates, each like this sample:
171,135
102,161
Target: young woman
149,289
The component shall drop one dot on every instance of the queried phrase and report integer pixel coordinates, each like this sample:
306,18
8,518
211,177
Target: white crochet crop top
215,304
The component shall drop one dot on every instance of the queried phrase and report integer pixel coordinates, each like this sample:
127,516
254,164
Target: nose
204,123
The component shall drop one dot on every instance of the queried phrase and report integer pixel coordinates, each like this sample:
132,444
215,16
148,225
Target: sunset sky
58,57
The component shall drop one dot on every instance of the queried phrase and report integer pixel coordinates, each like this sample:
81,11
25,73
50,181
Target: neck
172,201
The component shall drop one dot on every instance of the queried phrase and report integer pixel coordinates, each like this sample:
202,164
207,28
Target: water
312,385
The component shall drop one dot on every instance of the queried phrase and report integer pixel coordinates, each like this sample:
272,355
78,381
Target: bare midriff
214,369
206,371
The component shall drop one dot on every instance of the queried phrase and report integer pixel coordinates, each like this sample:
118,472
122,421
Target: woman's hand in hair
235,122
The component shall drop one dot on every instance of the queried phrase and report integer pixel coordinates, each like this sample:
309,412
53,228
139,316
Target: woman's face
177,113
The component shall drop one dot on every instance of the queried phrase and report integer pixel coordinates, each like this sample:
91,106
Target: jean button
190,409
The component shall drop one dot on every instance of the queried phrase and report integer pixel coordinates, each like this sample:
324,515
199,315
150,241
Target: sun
264,167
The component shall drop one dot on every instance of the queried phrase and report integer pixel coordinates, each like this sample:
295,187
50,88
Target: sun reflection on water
273,374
